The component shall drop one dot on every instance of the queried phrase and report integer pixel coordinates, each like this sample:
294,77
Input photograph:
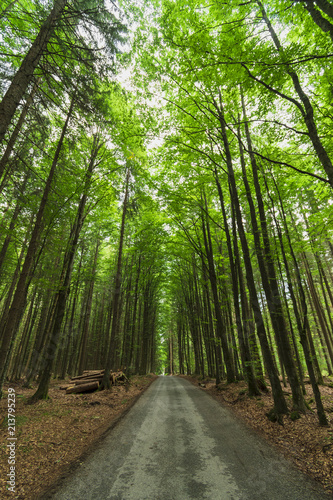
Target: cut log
92,372
90,379
79,377
88,375
92,386
85,381
94,377
70,387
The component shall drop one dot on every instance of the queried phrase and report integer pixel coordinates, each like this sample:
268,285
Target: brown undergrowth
52,435
303,441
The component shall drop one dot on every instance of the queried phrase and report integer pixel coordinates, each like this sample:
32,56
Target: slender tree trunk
31,368
322,344
241,327
215,347
300,287
127,318
220,328
198,316
303,328
18,303
24,75
305,108
17,210
134,315
280,405
105,384
18,359
180,345
63,292
70,334
17,129
318,308
88,312
268,275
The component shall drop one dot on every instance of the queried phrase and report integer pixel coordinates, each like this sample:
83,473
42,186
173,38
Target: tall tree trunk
318,308
241,327
303,328
17,129
70,334
111,355
300,287
268,274
322,344
63,292
18,303
306,107
198,315
24,75
220,328
280,405
31,368
18,358
12,224
134,315
88,312
127,318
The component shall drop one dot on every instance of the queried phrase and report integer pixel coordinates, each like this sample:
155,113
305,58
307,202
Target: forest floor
303,441
54,435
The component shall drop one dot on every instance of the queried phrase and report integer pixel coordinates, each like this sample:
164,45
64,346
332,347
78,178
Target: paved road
177,443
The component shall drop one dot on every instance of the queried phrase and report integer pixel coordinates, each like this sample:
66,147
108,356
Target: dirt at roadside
303,441
52,435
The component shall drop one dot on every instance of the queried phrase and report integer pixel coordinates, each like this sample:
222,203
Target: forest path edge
301,441
56,435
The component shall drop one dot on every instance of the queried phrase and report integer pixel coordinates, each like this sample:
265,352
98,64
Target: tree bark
268,274
17,306
88,312
241,326
63,292
280,405
90,386
306,106
220,328
17,129
317,17
117,289
23,77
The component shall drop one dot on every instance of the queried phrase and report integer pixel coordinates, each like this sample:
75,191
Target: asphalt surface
177,443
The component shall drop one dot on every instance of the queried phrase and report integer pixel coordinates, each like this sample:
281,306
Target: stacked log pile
90,381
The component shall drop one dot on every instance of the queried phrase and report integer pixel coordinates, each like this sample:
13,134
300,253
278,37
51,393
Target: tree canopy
166,191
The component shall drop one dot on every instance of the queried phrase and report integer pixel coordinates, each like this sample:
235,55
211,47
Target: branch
272,89
289,166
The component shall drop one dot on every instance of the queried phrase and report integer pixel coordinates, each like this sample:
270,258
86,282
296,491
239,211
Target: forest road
177,443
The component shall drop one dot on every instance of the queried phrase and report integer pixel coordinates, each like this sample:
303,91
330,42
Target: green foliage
196,68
